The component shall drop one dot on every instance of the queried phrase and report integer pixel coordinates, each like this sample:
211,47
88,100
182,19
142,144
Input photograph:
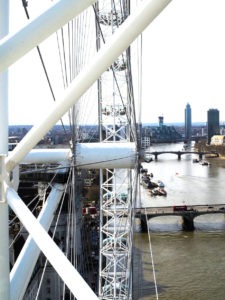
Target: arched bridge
179,153
187,213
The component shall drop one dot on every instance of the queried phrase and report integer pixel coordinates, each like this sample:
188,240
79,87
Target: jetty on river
188,213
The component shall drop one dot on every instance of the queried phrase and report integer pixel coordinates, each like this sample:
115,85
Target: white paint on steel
18,44
4,24
131,28
88,155
78,287
23,268
4,231
105,155
41,156
122,38
4,251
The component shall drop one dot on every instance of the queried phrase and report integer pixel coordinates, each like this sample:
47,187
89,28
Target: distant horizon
176,68
200,123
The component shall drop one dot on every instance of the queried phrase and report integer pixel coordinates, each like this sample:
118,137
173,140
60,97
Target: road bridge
180,153
187,213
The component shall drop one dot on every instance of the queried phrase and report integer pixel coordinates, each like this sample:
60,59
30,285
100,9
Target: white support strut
18,44
11,49
105,155
122,38
88,156
42,156
77,285
23,268
4,231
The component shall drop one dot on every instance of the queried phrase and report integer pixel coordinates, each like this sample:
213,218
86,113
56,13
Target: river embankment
216,161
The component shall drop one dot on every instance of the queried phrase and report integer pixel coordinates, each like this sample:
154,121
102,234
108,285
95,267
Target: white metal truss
116,201
20,43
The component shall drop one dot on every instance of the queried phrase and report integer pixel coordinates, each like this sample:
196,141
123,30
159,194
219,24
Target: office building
160,121
213,123
188,122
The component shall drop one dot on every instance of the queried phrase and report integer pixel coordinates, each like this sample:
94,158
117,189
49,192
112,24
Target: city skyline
188,121
183,62
213,124
186,61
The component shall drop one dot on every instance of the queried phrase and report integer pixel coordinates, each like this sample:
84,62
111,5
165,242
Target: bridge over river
180,153
187,213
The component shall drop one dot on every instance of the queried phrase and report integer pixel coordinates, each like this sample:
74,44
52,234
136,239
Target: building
164,134
160,121
188,125
145,142
213,124
217,140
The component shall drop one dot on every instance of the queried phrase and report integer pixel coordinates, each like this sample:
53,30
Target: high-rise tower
160,121
188,122
213,123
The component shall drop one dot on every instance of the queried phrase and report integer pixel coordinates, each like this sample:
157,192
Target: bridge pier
188,222
144,227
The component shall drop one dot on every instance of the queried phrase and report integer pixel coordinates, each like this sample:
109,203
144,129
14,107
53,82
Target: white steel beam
4,230
122,38
76,284
18,44
23,268
105,155
41,156
4,24
4,243
88,155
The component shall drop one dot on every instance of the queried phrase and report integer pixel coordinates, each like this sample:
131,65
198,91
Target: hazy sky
184,55
183,62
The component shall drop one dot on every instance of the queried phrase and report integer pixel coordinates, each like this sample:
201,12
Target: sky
184,55
183,62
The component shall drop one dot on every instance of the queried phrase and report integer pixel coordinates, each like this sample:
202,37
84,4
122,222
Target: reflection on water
210,222
171,223
188,265
175,223
186,182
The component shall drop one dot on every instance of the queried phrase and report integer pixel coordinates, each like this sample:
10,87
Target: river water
187,265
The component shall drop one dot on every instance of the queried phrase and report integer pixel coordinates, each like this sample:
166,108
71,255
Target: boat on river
158,192
201,162
148,183
195,160
204,163
159,183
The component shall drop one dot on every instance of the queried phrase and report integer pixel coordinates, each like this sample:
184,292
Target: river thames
187,265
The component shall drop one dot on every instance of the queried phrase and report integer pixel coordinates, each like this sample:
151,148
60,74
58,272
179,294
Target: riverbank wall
202,146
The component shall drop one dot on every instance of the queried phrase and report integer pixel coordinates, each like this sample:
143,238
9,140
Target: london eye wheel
57,172
117,185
